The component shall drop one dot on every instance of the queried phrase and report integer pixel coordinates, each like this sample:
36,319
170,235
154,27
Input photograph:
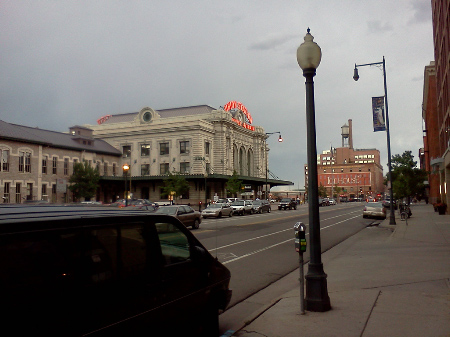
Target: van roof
10,214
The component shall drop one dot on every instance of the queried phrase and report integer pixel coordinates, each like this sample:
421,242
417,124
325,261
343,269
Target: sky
69,62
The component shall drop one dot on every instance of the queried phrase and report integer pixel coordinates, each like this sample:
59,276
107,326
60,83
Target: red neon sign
103,119
238,105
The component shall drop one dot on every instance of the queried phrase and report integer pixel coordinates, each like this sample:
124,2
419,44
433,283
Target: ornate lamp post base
317,298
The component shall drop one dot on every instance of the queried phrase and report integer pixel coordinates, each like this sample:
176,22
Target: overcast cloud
65,63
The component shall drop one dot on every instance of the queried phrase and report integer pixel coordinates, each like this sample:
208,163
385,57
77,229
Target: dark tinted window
174,243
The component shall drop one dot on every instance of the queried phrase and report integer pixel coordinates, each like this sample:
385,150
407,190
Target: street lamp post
317,299
356,78
280,139
126,168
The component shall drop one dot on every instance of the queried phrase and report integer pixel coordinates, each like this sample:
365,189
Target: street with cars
259,249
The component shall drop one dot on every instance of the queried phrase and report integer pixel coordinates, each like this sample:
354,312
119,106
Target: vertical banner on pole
379,123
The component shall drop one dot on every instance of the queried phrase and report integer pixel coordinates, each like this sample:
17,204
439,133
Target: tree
322,191
84,181
407,178
175,185
337,190
234,185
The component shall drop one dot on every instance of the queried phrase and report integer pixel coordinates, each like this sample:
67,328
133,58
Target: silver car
217,210
374,210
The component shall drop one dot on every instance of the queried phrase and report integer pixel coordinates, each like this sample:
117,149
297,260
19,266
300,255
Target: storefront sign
345,179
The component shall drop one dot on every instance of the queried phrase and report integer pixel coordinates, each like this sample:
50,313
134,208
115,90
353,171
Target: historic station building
203,144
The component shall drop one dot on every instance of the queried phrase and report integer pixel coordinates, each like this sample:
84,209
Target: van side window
174,244
101,255
133,247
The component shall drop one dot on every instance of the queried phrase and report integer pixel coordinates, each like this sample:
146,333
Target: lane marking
277,244
281,231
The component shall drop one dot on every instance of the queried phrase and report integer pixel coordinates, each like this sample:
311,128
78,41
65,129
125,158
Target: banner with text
378,114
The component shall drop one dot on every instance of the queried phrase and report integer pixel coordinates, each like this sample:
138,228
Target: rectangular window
18,194
145,150
54,165
208,168
29,191
44,164
184,147
185,167
6,193
164,168
5,161
114,169
21,161
105,169
126,151
145,169
44,192
97,167
174,243
163,148
207,148
27,162
66,166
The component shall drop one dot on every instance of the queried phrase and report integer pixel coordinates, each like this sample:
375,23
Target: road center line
281,231
276,244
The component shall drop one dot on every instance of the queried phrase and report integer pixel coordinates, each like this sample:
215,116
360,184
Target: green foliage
234,185
322,191
407,179
84,181
336,191
175,183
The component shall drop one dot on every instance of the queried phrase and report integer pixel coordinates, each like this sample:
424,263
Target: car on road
287,203
186,214
242,207
217,210
261,206
324,202
332,202
374,210
98,271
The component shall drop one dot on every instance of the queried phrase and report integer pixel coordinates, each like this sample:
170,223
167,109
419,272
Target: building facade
203,144
37,164
436,107
349,173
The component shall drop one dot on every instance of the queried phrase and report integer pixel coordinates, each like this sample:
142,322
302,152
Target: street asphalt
387,280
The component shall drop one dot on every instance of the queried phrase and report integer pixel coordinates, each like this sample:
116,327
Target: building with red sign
348,172
204,144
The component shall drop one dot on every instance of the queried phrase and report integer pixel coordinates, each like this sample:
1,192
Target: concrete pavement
384,281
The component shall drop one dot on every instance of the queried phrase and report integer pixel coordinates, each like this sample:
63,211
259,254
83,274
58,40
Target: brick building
357,173
435,155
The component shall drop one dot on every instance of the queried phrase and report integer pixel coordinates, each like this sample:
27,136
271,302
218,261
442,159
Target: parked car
332,202
76,270
217,210
374,210
387,203
186,214
323,202
148,208
260,206
242,207
287,203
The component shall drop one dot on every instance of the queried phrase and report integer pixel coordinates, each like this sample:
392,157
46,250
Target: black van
77,271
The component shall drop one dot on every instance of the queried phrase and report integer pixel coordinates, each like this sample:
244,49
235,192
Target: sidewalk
383,281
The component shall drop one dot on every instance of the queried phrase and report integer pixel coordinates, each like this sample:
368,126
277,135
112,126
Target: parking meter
300,237
300,247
